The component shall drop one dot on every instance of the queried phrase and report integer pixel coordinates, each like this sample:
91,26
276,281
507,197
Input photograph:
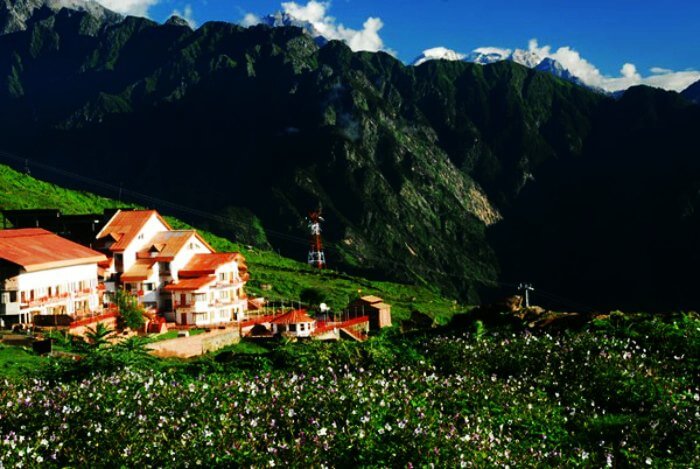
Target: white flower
322,432
648,461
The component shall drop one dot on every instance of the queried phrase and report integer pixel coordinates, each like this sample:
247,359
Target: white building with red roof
44,274
146,254
174,271
209,290
295,323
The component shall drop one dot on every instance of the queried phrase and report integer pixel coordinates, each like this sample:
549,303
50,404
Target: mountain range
692,93
490,55
464,177
16,14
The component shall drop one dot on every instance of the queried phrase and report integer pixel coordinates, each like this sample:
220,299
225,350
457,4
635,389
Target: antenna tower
316,258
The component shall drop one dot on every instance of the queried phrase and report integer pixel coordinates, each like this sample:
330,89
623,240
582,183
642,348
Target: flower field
610,395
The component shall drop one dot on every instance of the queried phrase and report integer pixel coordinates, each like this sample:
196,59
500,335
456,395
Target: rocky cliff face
417,168
15,15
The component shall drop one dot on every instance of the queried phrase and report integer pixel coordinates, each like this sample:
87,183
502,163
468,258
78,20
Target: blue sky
606,33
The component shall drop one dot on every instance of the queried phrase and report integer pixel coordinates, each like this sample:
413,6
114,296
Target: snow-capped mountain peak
488,55
281,19
438,53
527,58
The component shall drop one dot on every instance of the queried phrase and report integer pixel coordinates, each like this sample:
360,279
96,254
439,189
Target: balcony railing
220,284
45,300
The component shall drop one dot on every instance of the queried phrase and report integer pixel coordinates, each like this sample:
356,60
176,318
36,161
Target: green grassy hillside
286,278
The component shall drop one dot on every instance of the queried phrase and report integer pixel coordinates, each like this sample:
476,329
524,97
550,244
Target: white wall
62,276
67,279
142,240
183,257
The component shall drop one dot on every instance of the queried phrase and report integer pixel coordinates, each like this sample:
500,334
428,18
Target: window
148,286
140,236
5,299
222,277
292,327
119,261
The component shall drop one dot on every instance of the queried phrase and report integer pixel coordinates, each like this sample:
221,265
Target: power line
155,201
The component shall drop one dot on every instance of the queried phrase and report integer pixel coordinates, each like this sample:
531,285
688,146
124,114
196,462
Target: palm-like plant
99,336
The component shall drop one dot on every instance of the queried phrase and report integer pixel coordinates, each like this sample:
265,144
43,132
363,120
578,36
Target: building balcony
193,308
45,300
219,285
85,292
205,307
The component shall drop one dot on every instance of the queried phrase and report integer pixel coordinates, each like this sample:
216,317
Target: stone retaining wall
211,344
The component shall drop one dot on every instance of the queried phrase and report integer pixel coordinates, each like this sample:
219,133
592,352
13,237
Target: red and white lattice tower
316,258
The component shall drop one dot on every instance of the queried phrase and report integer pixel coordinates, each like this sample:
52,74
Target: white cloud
129,7
676,81
316,14
629,76
187,15
630,71
250,20
366,39
493,51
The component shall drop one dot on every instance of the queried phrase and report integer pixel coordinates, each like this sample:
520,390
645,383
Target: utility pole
526,288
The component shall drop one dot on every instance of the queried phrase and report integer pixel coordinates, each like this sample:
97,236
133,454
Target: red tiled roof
125,225
141,270
37,249
191,284
293,317
206,264
167,244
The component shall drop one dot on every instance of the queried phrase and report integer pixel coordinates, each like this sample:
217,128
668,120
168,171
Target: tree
98,336
313,296
130,312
